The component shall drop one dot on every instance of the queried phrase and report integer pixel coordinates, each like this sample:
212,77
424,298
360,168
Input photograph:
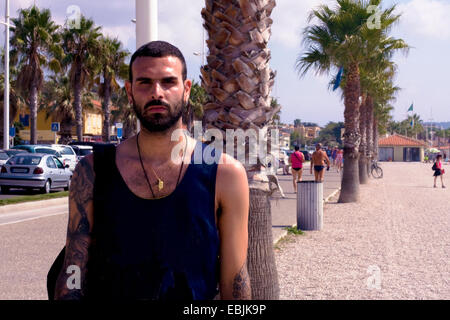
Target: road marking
27,215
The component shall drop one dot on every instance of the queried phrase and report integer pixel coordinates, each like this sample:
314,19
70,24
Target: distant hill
444,125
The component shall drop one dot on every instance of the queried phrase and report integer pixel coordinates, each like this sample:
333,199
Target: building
310,132
400,148
92,125
285,140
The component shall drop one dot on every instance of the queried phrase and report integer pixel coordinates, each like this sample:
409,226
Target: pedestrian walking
333,156
339,160
438,170
142,225
297,159
318,160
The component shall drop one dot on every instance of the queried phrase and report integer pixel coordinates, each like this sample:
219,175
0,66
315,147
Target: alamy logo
251,145
74,281
374,21
73,17
374,280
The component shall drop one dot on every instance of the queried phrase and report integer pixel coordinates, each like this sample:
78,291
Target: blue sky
423,75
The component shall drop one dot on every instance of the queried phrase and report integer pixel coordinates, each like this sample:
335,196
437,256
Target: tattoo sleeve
78,232
241,285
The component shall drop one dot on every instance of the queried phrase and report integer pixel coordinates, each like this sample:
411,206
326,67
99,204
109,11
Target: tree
113,68
331,134
297,123
34,41
197,100
377,75
81,48
275,105
57,102
124,113
16,100
238,81
344,39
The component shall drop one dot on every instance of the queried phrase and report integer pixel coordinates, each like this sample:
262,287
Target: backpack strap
296,155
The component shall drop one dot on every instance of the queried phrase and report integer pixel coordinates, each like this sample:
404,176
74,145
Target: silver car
34,170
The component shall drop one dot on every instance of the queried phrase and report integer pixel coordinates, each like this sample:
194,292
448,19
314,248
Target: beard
156,122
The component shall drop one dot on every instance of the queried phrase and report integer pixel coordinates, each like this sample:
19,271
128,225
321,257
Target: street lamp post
6,93
203,49
146,26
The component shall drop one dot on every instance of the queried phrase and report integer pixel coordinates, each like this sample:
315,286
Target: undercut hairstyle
158,49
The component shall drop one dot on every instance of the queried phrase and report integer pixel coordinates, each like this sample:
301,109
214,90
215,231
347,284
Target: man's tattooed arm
79,229
241,285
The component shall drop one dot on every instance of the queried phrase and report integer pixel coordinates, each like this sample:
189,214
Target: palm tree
124,112
34,40
238,81
274,104
16,101
417,124
343,39
112,61
194,109
81,48
57,102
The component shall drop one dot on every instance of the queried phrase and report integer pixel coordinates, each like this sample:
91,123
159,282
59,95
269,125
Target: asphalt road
28,248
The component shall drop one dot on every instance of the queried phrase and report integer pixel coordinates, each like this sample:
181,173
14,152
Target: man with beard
144,221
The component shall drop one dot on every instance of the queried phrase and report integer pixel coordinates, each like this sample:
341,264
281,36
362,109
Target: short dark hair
438,156
158,49
297,148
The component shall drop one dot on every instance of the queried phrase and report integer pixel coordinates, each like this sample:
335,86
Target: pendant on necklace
160,184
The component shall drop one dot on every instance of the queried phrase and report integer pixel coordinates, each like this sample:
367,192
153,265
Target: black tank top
160,249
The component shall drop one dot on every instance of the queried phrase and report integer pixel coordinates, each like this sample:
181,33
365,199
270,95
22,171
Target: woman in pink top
339,157
438,171
297,160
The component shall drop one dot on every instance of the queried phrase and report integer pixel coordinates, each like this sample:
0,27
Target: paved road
28,249
284,210
392,244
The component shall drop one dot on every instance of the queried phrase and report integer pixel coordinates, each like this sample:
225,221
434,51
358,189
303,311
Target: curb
33,205
284,233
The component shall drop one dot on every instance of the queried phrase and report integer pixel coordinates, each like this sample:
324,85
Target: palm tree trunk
33,113
375,139
238,81
350,178
78,109
66,131
369,131
363,177
106,111
261,259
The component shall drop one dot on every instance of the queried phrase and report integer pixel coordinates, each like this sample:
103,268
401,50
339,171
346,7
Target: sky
423,74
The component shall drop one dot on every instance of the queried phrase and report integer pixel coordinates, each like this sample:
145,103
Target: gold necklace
160,181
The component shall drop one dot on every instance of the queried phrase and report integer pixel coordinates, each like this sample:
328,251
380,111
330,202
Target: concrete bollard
309,205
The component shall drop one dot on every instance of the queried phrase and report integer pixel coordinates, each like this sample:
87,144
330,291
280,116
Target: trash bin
309,205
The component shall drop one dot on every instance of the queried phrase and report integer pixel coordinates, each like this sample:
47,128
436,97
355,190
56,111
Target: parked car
13,152
40,148
34,171
82,151
306,154
3,157
67,153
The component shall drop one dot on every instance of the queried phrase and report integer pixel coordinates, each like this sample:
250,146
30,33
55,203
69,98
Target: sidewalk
392,244
284,210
